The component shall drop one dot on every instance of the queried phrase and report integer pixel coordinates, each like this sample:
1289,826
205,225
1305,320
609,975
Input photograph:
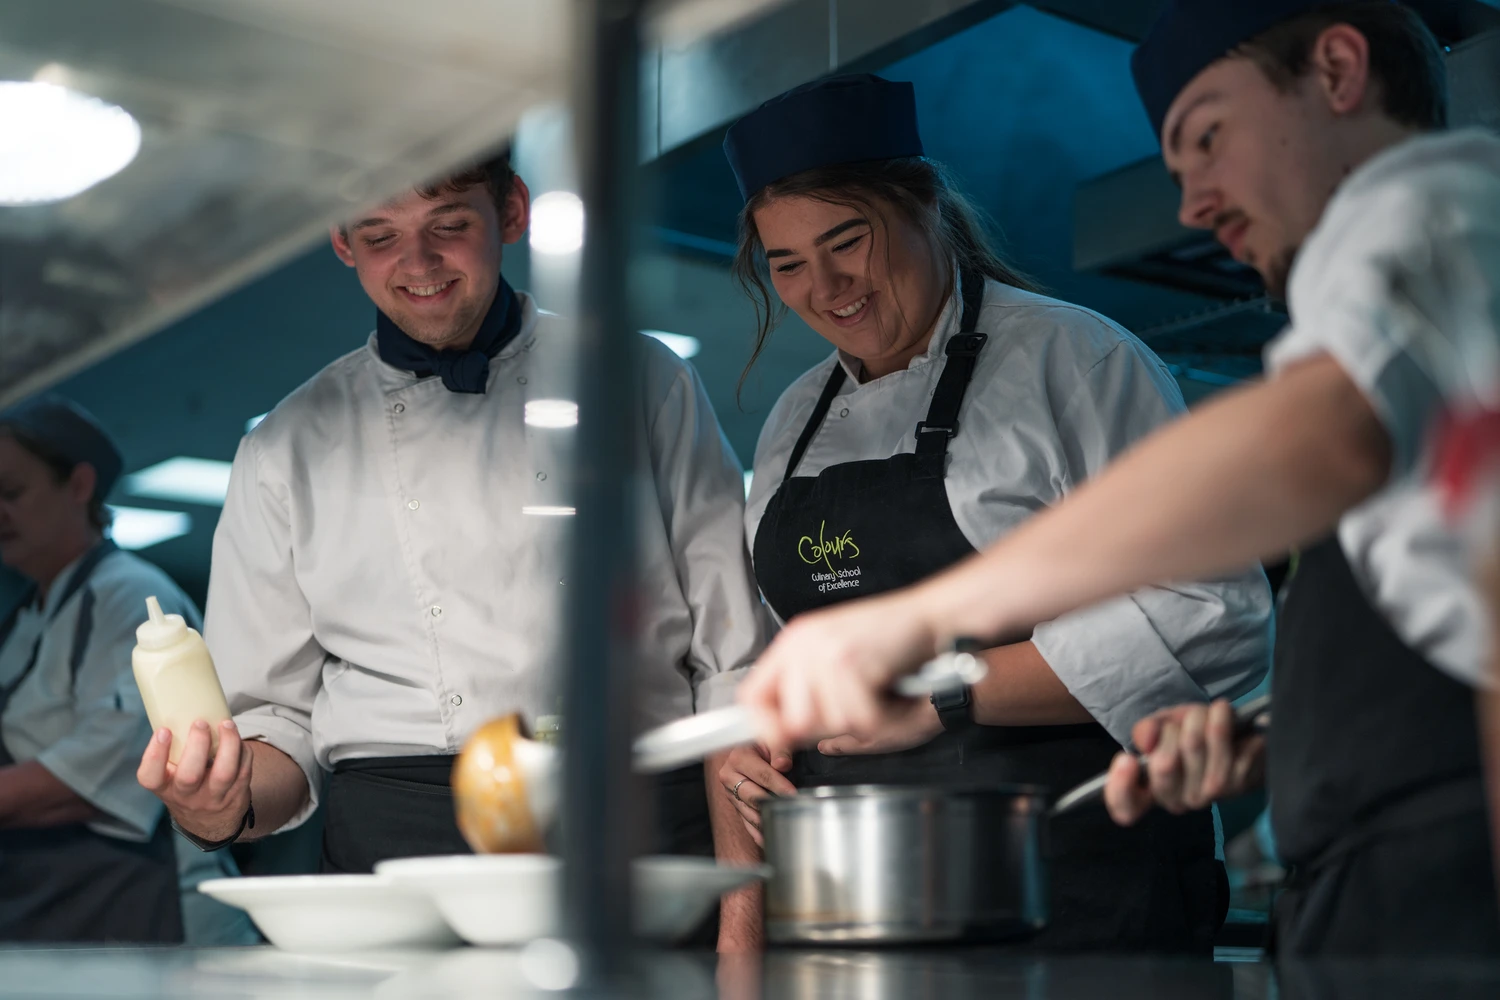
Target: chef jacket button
399,407
436,611
412,505
844,412
457,699
521,380
541,477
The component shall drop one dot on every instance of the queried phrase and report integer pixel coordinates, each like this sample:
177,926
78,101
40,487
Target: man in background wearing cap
86,854
1308,137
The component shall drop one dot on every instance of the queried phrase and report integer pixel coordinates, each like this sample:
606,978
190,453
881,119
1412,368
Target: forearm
1243,478
32,798
278,789
739,911
1020,689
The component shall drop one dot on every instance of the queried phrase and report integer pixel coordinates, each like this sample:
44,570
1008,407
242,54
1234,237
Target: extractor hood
261,121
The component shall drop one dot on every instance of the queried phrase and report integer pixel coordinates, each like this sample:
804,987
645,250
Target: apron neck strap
76,580
941,424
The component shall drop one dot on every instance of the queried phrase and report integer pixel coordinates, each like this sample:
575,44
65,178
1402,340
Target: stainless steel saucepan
884,864
868,864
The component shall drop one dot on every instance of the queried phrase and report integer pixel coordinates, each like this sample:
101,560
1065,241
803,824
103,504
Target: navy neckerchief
461,371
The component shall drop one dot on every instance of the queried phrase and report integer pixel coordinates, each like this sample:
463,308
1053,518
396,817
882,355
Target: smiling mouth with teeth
425,291
851,308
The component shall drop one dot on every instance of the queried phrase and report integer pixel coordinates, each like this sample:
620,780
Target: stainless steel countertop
950,974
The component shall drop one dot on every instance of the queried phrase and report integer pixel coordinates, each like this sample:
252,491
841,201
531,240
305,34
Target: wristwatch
247,822
955,708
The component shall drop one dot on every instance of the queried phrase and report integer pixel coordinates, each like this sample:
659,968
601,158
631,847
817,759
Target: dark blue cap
70,432
1191,35
844,119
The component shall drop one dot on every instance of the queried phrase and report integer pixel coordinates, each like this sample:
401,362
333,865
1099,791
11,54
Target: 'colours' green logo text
841,547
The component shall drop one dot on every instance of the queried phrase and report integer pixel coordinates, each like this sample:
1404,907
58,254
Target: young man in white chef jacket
381,583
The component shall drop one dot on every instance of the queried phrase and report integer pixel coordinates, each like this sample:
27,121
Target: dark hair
911,185
1404,56
495,173
62,469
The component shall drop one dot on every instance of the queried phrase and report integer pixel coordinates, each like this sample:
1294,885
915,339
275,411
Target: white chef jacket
89,731
377,590
1058,392
1400,283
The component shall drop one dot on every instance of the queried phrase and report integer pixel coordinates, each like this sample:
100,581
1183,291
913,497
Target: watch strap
247,822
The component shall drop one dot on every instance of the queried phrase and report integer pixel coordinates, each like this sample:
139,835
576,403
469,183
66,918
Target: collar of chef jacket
461,371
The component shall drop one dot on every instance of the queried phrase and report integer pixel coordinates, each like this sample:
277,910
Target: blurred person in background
86,854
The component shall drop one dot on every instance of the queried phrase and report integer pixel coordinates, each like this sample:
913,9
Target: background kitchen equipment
868,864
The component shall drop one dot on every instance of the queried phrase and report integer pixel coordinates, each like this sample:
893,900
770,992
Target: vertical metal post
601,815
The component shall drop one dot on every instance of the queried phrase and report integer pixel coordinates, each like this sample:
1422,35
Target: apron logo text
841,547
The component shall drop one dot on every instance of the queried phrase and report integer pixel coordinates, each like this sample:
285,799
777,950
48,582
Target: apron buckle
923,427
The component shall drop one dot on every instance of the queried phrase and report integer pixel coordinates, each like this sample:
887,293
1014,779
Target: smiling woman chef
958,402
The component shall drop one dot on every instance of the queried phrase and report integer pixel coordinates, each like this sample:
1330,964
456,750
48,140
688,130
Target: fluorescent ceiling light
188,480
552,413
546,511
139,528
747,484
57,143
557,223
254,422
681,344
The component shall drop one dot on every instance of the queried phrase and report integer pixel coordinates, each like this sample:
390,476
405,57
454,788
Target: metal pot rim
1025,796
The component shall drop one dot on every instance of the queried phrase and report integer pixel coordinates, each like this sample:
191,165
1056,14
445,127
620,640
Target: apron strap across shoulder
941,424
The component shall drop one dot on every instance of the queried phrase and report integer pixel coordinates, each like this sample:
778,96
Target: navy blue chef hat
70,432
1190,35
844,119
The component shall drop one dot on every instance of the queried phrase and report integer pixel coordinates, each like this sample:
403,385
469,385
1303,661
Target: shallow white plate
335,913
493,899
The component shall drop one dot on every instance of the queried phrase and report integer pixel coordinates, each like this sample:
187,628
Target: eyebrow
844,226
1175,139
446,208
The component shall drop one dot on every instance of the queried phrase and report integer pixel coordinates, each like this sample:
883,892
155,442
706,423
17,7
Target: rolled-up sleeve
1399,287
258,624
98,758
700,486
1160,646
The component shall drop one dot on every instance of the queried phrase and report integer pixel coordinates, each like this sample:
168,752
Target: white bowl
493,899
486,898
335,913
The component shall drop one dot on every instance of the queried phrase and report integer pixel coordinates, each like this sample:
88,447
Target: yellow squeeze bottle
177,678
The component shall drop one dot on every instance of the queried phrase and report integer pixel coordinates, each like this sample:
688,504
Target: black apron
1376,794
401,807
68,883
864,528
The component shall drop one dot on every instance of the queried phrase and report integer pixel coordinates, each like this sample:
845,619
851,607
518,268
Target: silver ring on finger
735,791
